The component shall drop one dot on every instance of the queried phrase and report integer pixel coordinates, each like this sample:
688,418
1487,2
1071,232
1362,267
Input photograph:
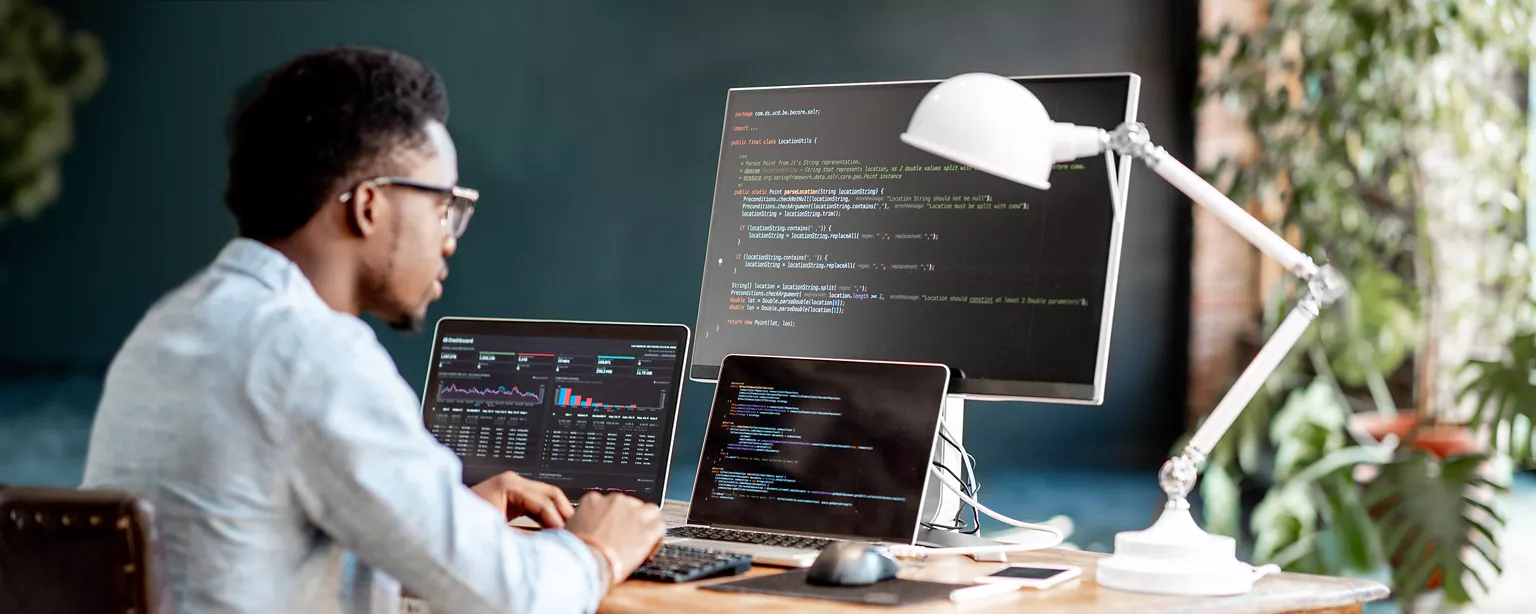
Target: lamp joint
1132,138
1178,475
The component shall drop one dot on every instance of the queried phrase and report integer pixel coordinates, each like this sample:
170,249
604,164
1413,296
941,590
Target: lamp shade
995,125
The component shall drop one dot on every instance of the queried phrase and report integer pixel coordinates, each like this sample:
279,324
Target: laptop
801,452
581,405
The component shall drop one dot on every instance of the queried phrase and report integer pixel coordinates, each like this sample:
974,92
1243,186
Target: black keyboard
748,537
684,564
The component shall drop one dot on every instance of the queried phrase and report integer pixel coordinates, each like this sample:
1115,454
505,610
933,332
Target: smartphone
1032,576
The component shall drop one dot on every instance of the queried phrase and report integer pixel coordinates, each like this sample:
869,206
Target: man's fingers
539,501
544,509
562,503
656,526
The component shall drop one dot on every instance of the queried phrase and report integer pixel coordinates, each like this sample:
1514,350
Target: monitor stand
940,504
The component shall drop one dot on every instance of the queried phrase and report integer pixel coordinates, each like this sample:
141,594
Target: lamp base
1176,557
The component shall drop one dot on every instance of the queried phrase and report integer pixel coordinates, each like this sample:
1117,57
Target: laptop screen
582,406
821,447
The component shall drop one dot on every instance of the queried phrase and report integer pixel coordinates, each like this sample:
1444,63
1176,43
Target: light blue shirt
278,441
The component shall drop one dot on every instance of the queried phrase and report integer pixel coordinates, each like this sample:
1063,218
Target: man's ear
361,210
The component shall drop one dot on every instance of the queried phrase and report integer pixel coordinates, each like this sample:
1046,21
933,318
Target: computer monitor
831,238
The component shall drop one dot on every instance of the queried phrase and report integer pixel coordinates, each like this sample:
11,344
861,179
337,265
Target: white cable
1123,173
970,472
920,551
1114,181
946,479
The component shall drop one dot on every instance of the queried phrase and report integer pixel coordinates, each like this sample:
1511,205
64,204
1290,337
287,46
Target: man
271,430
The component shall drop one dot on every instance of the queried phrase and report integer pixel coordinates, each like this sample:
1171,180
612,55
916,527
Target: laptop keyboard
749,537
674,563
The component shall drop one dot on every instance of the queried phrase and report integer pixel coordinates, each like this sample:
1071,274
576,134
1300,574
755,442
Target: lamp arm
1324,286
1253,377
1178,475
1132,139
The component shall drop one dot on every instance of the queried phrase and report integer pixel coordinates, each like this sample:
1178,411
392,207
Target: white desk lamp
994,124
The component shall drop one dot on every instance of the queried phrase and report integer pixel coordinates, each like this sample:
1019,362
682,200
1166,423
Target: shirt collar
260,261
274,270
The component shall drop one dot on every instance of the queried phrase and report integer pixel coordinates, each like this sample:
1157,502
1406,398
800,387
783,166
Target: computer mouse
851,564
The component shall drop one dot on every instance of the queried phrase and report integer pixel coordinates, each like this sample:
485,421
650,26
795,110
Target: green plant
44,72
1505,390
1430,514
1361,108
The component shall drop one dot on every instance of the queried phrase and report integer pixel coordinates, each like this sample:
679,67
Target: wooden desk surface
1280,593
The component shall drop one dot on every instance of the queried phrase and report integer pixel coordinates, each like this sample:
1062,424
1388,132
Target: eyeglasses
461,201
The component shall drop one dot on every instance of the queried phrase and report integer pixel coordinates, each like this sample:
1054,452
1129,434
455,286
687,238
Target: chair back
79,551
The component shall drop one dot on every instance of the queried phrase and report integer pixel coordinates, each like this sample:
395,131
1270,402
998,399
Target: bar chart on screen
567,397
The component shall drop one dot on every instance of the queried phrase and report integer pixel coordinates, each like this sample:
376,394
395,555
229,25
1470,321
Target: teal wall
592,130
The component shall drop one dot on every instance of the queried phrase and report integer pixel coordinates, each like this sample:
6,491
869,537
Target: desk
1279,593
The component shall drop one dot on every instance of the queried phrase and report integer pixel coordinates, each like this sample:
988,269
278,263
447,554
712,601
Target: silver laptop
801,452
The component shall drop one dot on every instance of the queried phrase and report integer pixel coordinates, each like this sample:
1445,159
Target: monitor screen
582,406
832,238
819,447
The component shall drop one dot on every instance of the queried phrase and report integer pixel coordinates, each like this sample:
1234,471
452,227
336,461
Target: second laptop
799,452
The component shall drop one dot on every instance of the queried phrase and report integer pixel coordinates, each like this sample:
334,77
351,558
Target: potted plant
1380,131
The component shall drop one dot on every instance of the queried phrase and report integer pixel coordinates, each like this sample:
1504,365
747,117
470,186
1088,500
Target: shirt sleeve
371,477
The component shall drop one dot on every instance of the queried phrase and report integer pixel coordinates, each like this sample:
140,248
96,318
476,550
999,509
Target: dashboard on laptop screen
579,405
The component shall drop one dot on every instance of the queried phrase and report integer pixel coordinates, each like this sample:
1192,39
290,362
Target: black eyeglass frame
461,203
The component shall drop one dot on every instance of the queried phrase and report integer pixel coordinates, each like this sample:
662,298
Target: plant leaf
1427,521
1489,553
1285,517
1220,498
1307,428
1506,396
1357,537
1377,314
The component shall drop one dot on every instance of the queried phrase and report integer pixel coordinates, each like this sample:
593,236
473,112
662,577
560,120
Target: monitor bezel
961,386
590,329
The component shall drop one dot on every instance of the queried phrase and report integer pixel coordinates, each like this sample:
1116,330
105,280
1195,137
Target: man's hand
630,527
519,496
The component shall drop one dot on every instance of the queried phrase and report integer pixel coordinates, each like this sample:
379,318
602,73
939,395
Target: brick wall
1226,270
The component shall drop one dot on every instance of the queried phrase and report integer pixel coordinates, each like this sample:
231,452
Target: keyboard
683,564
749,537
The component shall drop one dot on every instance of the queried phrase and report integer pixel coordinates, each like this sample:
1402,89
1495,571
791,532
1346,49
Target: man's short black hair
320,120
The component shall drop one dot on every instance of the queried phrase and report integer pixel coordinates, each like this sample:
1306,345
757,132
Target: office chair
79,551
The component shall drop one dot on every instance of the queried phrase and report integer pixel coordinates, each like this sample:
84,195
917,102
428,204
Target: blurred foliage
45,70
1307,428
1372,330
1347,100
1433,515
1505,390
1312,520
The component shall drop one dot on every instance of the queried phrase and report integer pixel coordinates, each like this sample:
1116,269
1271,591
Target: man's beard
407,323
398,315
